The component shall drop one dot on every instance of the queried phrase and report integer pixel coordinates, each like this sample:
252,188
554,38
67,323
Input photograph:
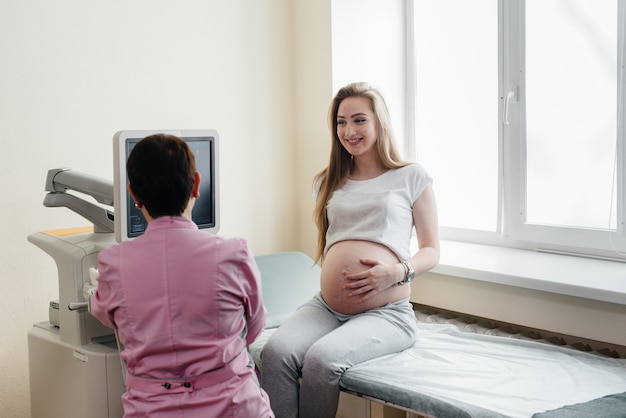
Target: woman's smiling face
356,125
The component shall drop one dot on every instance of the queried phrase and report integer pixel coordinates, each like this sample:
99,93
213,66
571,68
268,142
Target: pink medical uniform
186,304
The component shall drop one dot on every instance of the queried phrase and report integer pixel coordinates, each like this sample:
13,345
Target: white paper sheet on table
512,377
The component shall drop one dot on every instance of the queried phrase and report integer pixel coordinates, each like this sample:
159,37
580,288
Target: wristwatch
409,273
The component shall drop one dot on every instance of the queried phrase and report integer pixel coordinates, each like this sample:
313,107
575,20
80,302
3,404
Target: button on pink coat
186,304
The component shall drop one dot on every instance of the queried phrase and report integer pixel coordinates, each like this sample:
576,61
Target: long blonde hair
340,163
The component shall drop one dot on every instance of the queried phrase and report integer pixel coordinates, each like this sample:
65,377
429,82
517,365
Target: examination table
452,373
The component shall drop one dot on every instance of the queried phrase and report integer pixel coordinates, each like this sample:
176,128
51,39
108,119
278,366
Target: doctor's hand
93,276
368,283
89,288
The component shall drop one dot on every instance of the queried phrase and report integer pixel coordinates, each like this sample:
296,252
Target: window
519,117
571,112
456,67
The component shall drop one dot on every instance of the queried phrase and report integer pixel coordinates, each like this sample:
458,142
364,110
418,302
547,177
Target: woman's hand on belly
366,284
359,275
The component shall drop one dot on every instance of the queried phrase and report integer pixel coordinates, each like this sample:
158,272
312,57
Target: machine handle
74,306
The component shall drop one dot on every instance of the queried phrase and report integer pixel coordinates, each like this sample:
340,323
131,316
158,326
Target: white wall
74,72
362,54
313,93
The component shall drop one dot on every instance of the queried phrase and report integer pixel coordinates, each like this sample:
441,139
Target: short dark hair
161,170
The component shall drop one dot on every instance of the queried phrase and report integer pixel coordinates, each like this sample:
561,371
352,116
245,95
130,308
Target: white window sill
561,274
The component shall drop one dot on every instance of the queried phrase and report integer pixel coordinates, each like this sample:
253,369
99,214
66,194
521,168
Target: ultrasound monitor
129,222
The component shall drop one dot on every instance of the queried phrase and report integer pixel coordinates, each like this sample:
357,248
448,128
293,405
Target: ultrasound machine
74,362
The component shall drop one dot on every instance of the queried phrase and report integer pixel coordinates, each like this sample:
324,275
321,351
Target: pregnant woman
368,202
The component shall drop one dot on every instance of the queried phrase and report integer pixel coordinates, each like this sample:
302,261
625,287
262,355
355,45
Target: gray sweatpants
318,344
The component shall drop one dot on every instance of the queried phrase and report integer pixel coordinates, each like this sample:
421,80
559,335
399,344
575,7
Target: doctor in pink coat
185,303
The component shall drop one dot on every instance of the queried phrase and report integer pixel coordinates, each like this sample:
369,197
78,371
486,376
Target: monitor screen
129,221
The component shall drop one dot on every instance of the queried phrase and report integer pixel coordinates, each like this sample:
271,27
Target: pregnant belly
345,257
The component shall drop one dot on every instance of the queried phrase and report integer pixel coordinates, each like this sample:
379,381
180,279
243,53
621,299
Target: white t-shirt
378,210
